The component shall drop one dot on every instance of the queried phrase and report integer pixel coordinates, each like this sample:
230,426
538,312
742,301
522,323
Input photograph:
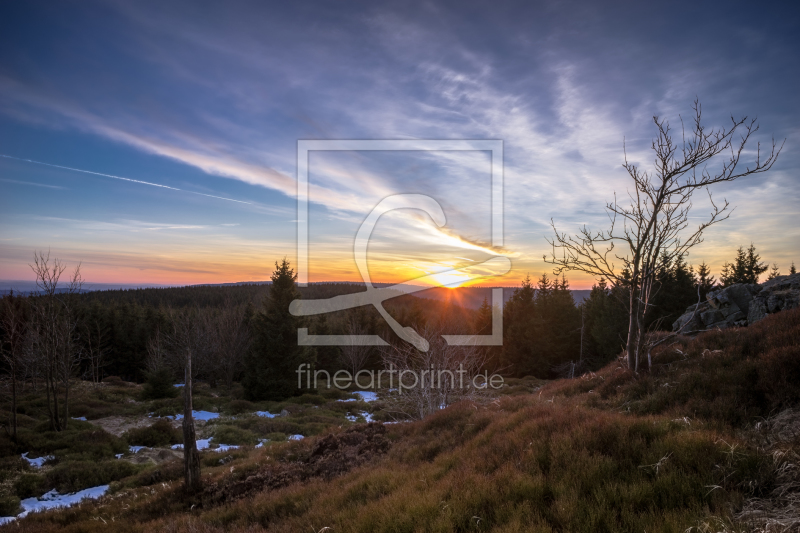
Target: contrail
123,179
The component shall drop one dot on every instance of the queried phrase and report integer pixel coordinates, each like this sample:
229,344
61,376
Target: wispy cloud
18,182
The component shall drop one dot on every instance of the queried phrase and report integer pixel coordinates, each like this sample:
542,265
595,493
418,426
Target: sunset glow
178,165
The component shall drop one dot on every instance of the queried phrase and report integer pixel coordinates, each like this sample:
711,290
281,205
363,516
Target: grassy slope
663,451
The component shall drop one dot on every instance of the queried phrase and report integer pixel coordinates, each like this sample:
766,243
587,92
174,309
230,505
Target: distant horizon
4,283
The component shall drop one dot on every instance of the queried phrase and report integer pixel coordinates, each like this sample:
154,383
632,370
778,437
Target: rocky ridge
740,304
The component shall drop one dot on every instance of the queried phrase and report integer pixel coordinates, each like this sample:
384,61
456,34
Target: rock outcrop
740,304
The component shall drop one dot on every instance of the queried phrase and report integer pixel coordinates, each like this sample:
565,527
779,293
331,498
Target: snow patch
198,415
205,444
39,461
366,396
296,437
53,499
354,417
265,414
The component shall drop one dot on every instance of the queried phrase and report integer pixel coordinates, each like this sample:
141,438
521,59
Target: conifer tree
520,327
606,320
272,362
483,318
754,267
562,324
792,269
774,272
705,281
746,268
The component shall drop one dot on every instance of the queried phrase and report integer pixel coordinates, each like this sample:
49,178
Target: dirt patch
154,456
330,456
117,425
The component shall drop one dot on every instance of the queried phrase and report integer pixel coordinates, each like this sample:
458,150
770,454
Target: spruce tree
562,324
792,269
606,321
754,267
482,325
774,272
705,281
520,328
746,268
272,363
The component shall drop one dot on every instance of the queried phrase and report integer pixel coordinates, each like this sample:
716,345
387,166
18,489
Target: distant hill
472,297
468,297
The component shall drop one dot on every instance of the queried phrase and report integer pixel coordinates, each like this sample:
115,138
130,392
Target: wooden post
191,458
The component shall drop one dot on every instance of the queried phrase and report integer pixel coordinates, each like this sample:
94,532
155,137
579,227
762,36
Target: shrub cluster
159,433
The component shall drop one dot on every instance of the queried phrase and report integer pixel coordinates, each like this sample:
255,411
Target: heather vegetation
687,446
605,448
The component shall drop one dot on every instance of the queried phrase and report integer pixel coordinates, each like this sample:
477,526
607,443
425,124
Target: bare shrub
432,380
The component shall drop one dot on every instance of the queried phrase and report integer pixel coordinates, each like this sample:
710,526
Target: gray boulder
740,305
779,294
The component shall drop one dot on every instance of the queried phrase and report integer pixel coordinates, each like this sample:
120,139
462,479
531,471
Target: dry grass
705,442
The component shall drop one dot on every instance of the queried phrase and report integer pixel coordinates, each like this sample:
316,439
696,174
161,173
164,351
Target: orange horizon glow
242,266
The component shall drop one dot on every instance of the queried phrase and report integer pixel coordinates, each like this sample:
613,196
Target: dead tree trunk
191,458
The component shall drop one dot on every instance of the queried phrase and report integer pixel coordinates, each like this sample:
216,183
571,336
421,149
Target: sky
156,142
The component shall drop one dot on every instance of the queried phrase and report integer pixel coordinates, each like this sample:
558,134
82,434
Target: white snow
179,385
354,417
83,418
198,415
204,444
136,449
265,414
367,396
53,499
296,437
39,461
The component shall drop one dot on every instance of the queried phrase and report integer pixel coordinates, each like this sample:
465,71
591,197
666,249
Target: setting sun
451,279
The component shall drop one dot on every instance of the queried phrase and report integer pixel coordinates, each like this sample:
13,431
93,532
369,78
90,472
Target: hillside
708,441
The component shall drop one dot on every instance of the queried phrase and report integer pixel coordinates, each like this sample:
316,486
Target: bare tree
14,326
440,377
54,336
650,230
158,355
229,339
354,356
96,344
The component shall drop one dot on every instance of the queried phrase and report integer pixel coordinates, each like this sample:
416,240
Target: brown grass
694,444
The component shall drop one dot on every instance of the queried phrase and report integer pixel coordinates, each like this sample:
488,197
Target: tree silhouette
651,227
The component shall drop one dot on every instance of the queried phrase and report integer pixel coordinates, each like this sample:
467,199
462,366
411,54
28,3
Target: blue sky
211,98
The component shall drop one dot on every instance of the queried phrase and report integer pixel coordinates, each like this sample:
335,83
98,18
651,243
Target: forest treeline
245,333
